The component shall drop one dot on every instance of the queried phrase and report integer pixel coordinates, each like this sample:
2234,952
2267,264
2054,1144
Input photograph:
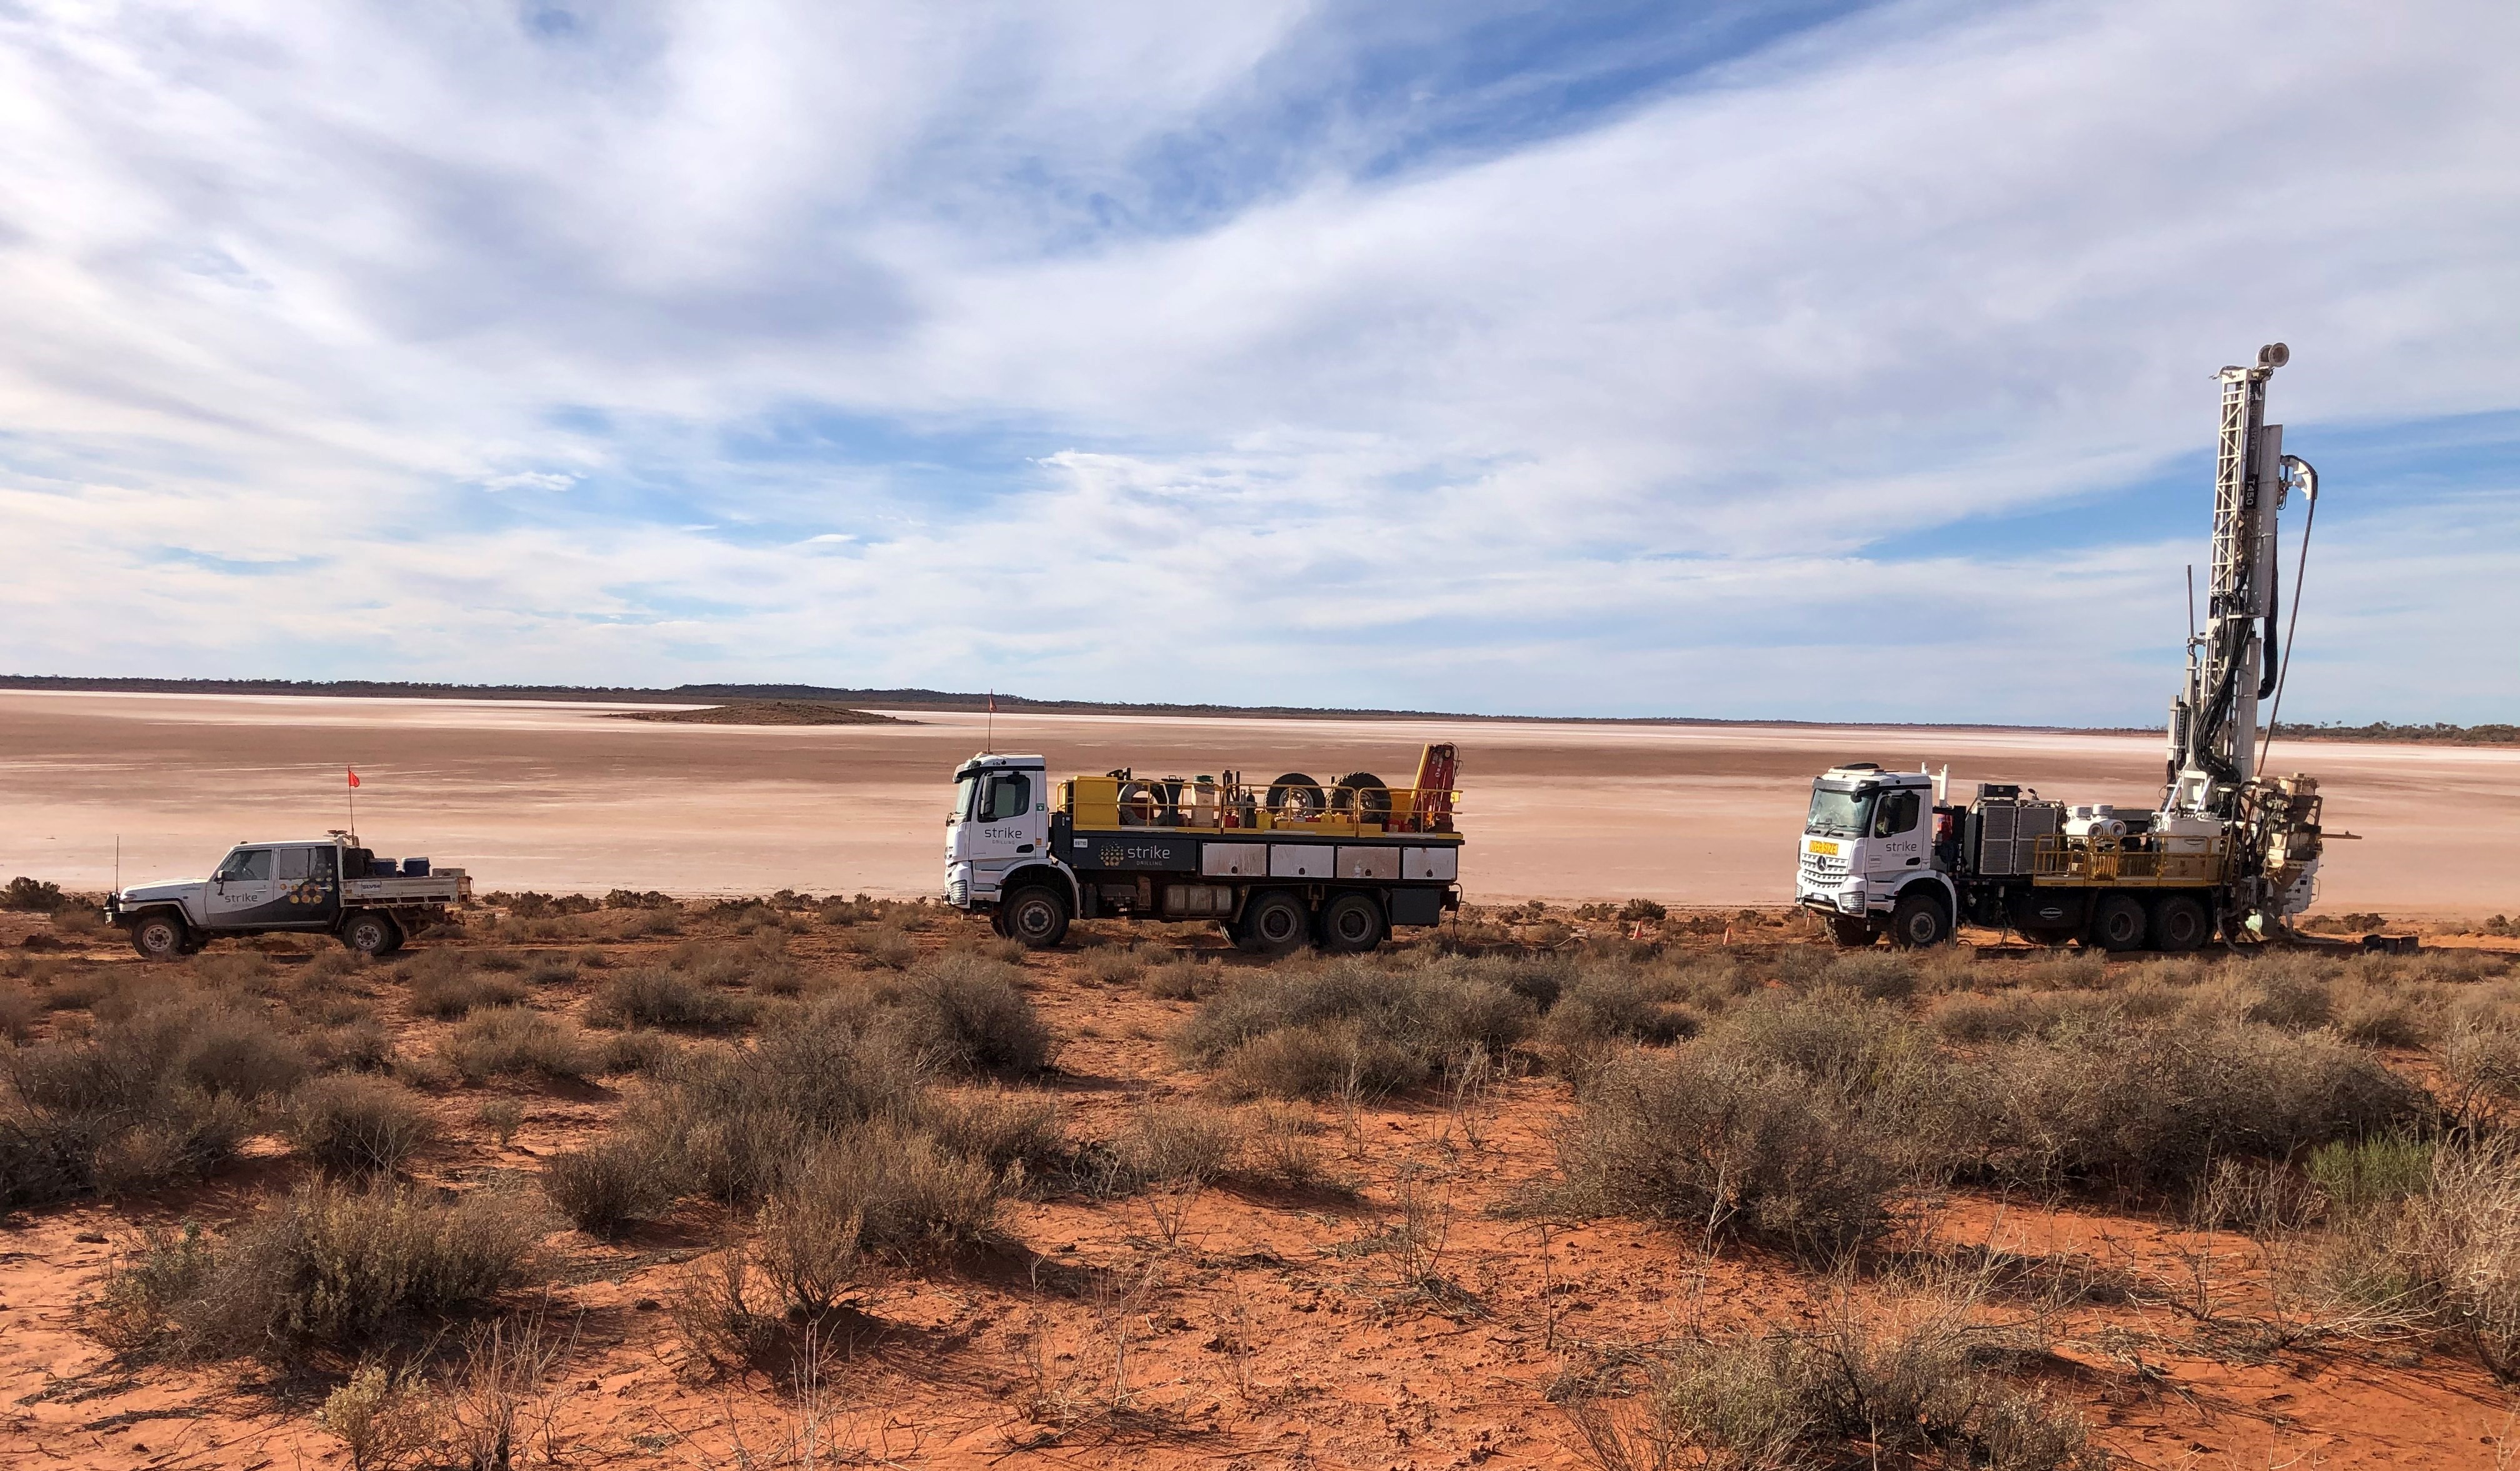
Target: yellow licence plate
1826,849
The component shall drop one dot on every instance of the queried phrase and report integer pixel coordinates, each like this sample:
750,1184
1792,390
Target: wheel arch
1056,876
1940,887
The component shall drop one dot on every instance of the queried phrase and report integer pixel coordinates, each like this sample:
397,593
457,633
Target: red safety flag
354,776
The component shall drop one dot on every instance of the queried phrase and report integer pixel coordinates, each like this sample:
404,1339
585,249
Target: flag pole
989,738
353,789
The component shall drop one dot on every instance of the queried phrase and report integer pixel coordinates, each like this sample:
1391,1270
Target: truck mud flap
1416,906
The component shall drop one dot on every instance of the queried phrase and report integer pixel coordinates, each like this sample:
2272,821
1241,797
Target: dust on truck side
2228,851
1276,865
328,885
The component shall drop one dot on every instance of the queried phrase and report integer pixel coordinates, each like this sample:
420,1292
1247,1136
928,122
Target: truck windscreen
1845,814
966,791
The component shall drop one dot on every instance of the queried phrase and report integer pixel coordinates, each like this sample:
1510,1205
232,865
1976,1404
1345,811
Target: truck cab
1869,858
328,885
1000,822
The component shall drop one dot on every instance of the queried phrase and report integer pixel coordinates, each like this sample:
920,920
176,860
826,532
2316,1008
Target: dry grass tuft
511,1042
1314,1030
356,1126
324,1268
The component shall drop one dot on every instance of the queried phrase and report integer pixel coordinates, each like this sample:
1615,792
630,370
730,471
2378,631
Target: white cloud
1594,422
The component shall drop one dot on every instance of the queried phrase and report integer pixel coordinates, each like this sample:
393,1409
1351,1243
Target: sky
1810,360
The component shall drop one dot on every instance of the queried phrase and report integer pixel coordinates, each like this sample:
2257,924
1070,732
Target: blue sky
1812,360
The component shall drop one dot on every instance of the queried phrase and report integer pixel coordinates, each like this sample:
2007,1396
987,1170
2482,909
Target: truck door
240,888
1009,815
1898,832
309,881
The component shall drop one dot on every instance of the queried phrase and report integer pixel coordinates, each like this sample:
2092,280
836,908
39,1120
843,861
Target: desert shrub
357,1046
2359,1176
884,946
1118,964
34,896
1852,1394
728,1119
511,1042
2384,1013
1174,1144
327,1268
811,1243
1278,1145
234,970
2446,1258
1538,979
1875,975
355,1125
165,1090
1611,1005
908,1189
2066,970
1719,1145
446,992
608,1186
1183,980
761,964
2110,1101
18,1012
965,1014
550,970
1638,910
1008,1133
502,1117
652,996
634,1051
2481,1064
1999,1016
77,917
1312,1030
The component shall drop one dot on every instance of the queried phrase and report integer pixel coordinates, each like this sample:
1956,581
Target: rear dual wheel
1274,921
1352,924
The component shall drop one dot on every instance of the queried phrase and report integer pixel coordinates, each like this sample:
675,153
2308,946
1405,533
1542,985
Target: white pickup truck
329,885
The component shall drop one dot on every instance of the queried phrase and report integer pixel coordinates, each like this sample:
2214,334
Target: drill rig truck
2229,851
1276,865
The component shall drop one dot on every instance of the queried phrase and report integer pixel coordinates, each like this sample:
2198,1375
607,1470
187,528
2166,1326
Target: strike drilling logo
1120,855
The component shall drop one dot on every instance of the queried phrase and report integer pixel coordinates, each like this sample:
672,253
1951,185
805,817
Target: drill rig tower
2233,662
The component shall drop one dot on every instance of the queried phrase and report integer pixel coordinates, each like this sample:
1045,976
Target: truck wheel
2179,924
2119,924
1919,921
1274,923
1351,923
1036,916
371,934
1852,931
1361,794
160,936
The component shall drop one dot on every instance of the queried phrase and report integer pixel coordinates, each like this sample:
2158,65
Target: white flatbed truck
327,886
1338,865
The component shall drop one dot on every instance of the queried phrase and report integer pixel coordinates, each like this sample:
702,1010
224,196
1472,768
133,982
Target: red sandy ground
1267,1334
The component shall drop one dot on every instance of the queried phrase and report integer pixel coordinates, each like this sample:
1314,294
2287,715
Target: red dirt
1269,1332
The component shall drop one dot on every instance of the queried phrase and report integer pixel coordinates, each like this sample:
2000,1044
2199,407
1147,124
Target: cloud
1148,356
529,480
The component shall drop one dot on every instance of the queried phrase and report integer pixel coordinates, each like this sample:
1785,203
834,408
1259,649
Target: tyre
1273,923
1919,921
1363,795
1351,923
371,934
2179,924
1852,931
2119,924
1295,796
1036,916
159,935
